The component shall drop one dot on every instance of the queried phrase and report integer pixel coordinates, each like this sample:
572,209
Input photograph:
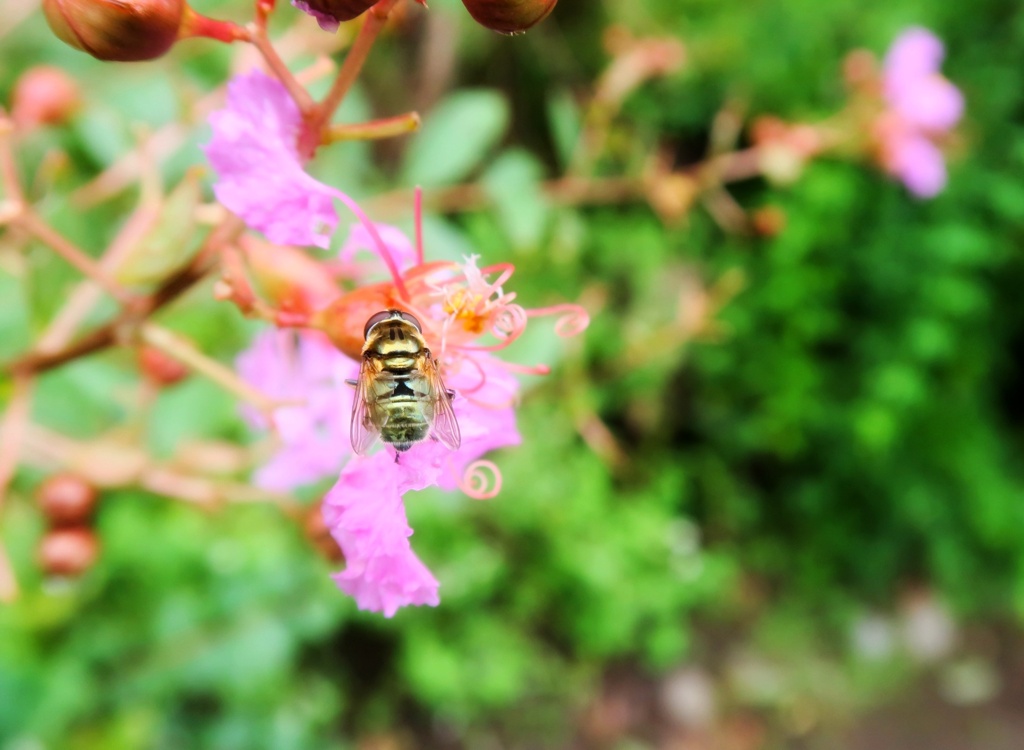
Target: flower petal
919,164
314,437
366,516
933,104
915,54
259,173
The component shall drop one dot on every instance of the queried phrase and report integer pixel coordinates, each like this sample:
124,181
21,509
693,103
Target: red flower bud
318,533
509,16
68,552
329,13
43,95
121,30
66,499
288,278
344,319
160,368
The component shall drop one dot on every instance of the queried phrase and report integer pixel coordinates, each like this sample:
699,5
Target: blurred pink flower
365,513
457,305
259,172
301,366
922,106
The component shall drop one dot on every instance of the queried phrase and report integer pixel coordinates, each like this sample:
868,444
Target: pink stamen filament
418,222
382,249
525,369
574,318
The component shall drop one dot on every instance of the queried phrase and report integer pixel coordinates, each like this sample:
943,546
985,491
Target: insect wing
364,431
445,427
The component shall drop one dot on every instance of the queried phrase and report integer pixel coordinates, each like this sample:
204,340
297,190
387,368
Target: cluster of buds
69,547
503,16
136,30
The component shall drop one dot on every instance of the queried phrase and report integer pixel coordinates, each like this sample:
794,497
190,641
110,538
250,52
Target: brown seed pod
329,13
66,499
68,552
118,30
509,16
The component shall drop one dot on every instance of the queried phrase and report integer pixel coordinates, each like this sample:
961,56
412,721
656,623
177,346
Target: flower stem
13,424
8,170
73,255
109,334
258,36
354,60
185,352
197,25
389,127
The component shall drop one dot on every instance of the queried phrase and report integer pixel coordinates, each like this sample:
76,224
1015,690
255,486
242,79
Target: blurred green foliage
854,429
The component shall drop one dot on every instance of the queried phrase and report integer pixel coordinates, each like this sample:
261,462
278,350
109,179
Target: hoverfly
400,396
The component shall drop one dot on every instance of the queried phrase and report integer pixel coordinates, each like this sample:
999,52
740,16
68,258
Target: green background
851,436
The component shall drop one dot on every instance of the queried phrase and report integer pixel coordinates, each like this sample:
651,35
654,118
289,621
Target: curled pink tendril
540,369
481,480
509,323
573,322
479,368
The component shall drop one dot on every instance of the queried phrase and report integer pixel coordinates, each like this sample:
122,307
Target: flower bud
66,499
288,278
320,536
160,368
509,16
68,552
344,319
43,95
118,30
329,13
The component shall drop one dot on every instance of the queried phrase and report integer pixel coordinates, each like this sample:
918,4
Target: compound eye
374,320
411,321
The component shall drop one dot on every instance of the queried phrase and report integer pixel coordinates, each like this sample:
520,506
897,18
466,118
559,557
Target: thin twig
74,255
376,17
12,426
8,168
184,351
85,296
110,333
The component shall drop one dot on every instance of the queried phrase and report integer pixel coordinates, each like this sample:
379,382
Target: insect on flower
400,395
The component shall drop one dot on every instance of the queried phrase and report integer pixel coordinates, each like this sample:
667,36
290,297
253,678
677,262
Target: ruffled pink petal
919,164
303,367
259,172
366,516
933,104
915,54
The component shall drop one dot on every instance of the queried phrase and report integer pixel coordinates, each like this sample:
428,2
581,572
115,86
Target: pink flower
365,513
457,306
922,106
255,154
306,368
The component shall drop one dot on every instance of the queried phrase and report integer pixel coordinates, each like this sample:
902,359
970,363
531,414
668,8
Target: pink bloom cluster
921,107
260,177
365,509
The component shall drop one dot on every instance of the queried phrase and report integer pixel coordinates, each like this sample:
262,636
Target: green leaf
513,182
171,241
456,137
